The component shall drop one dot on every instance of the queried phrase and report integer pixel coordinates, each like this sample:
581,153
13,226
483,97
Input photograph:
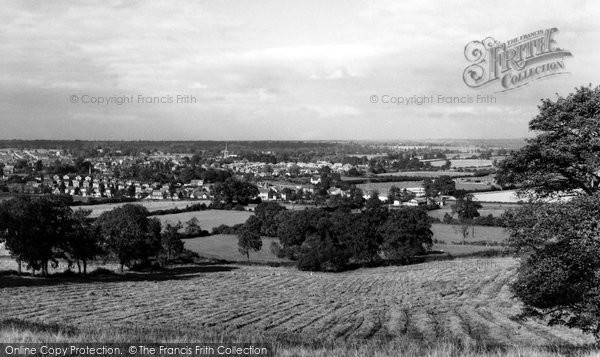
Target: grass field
507,196
224,246
207,219
150,205
462,300
384,187
470,163
448,233
495,209
427,173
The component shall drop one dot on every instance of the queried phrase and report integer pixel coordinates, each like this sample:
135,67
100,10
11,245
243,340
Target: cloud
330,111
264,70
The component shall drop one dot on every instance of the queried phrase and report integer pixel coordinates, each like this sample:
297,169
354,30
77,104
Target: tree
294,227
323,250
267,213
129,234
83,244
559,242
171,242
249,237
359,233
192,227
394,193
406,232
559,245
232,190
35,229
565,155
467,210
442,185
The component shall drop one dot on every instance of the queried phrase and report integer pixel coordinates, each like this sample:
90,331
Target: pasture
495,209
384,187
224,246
97,210
427,173
462,300
448,233
463,163
506,196
207,219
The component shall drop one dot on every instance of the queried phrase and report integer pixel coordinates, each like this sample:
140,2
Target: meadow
447,308
427,173
224,246
384,187
207,219
495,209
458,163
97,210
448,233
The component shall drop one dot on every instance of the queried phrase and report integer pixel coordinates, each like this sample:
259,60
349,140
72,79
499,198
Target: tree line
39,232
322,240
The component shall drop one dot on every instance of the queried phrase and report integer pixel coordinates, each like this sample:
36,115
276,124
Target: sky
273,70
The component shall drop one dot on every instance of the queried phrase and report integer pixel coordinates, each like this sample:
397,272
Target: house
156,195
418,191
196,182
315,180
263,194
8,170
334,191
417,201
438,201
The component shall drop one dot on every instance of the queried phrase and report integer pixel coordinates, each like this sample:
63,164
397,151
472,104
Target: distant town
310,172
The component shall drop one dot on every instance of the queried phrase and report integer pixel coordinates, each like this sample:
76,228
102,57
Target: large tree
171,242
249,236
232,190
559,277
406,232
565,154
35,229
559,243
267,212
129,234
83,242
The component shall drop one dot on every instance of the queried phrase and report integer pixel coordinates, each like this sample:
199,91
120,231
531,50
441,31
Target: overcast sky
272,69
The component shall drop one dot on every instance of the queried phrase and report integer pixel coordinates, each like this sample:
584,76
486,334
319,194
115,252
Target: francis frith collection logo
514,63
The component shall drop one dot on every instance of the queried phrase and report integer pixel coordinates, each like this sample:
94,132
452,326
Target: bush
225,229
559,275
276,249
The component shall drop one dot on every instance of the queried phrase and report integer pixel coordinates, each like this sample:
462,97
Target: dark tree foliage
130,235
323,250
295,226
406,232
267,213
466,208
232,190
83,243
322,240
172,245
35,229
559,277
358,234
249,236
565,154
